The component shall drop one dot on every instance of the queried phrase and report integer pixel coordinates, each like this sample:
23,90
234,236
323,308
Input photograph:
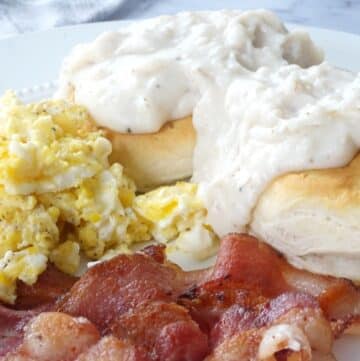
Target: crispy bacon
50,285
173,335
119,285
259,268
155,252
133,292
54,336
240,318
338,298
264,345
244,259
147,309
12,323
295,310
210,300
31,300
110,348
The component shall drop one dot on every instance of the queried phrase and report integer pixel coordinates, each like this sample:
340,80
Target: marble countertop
20,16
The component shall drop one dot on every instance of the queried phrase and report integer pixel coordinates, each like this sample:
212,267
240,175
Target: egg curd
61,200
176,216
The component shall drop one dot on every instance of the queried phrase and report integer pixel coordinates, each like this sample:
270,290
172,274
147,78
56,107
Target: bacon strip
244,259
110,348
239,318
12,323
258,267
133,292
55,336
30,302
293,309
119,285
147,309
50,285
173,335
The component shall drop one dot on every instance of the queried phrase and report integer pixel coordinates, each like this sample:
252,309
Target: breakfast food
146,157
260,97
253,93
270,135
288,120
61,200
327,201
146,75
175,213
58,193
146,308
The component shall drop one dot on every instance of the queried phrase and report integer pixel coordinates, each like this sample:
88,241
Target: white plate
30,64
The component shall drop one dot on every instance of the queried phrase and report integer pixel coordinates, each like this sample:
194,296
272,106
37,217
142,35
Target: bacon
259,268
240,318
338,298
155,252
246,272
53,336
31,300
210,300
244,259
295,309
264,345
12,323
289,326
181,341
173,335
238,347
148,309
50,285
111,288
110,348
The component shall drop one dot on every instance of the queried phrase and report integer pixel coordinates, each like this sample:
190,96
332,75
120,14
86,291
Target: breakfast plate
30,64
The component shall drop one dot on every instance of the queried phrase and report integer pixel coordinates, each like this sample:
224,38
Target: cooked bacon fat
252,306
54,336
12,323
30,302
276,325
239,318
110,348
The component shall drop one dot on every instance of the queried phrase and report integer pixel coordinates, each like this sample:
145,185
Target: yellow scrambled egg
177,217
60,200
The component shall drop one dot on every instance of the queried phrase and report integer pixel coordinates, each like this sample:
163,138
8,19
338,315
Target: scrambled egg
47,147
60,200
58,195
175,214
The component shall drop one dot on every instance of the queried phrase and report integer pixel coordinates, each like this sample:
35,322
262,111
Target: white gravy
256,115
269,124
145,74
